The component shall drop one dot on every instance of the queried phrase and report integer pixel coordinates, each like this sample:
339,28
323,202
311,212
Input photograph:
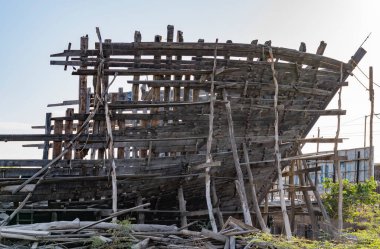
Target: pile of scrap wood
89,234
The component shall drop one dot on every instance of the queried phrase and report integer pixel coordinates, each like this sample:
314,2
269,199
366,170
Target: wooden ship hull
168,136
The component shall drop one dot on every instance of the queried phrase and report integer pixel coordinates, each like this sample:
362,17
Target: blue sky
32,30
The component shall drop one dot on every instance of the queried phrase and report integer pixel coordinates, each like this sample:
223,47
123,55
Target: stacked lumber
89,234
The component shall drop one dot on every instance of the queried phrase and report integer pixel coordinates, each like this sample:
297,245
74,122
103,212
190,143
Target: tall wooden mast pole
372,99
337,162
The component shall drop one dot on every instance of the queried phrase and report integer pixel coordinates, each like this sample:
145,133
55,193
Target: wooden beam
255,202
206,165
45,153
302,171
320,140
277,154
182,207
206,49
209,146
239,173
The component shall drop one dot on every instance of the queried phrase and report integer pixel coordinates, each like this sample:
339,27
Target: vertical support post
371,169
215,203
121,151
255,202
209,146
141,215
156,94
292,195
68,130
186,90
309,204
177,89
317,195
82,108
277,157
45,154
57,145
365,130
319,134
239,173
83,78
266,209
337,161
182,206
135,89
198,59
167,89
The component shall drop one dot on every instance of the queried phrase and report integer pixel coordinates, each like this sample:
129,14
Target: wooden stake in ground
277,156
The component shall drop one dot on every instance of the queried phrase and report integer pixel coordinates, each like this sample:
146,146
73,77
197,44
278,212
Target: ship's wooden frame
160,133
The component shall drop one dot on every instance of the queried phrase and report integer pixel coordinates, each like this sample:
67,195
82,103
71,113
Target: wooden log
206,165
239,173
232,240
277,152
182,207
213,235
110,135
69,225
320,140
255,202
371,170
337,164
111,216
142,244
24,232
208,148
215,203
140,216
18,236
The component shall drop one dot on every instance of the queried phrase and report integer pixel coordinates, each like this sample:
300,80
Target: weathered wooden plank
301,171
57,145
225,49
64,103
